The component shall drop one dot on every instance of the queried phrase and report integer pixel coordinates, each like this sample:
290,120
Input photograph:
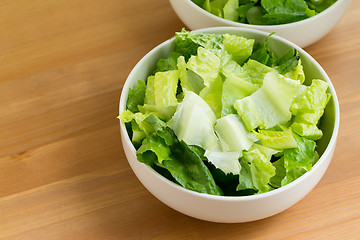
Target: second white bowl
302,33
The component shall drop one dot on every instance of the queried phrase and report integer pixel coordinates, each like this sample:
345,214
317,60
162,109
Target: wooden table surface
63,172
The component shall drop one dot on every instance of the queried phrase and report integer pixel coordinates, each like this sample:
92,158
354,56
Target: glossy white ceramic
233,209
303,33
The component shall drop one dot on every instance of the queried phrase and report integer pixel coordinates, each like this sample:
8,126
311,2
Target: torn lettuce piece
136,97
212,95
215,7
280,173
320,5
256,171
145,123
185,165
276,139
137,134
212,42
262,52
189,170
243,9
167,64
256,71
153,149
307,130
297,73
206,64
189,80
196,83
228,162
298,160
269,106
288,61
160,94
284,11
128,116
232,134
193,122
234,87
266,151
230,10
239,48
161,89
310,106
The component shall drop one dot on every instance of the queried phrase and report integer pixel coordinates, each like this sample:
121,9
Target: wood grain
63,172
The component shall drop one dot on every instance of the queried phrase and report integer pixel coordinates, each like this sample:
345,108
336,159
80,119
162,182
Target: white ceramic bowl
302,33
224,208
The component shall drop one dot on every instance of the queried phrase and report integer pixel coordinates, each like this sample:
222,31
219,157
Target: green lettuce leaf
189,170
263,54
298,160
280,173
212,42
212,95
255,71
136,97
185,165
242,11
206,64
256,171
297,73
160,94
189,80
153,149
288,61
276,139
167,64
232,134
310,106
320,5
193,122
230,10
234,87
239,48
215,7
228,162
264,12
284,11
269,106
307,130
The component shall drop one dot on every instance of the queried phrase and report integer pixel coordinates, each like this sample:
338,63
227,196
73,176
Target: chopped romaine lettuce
276,139
223,115
264,12
269,106
228,162
298,160
239,48
136,97
193,122
256,171
232,134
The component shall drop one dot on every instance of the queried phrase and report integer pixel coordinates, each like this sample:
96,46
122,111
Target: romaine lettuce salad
264,12
223,115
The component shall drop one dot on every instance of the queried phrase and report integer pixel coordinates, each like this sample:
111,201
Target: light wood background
63,172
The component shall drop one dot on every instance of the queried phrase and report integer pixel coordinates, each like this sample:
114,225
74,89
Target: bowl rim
265,27
328,149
